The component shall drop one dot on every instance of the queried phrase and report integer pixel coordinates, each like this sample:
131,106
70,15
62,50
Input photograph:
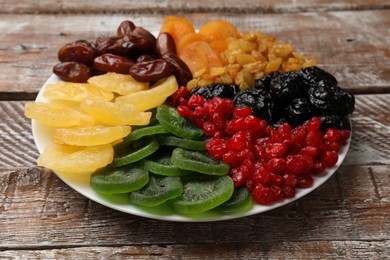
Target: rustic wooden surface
347,217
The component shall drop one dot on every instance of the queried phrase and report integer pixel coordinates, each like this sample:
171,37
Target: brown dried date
124,45
112,63
145,34
148,71
72,71
145,57
164,44
79,51
125,28
181,70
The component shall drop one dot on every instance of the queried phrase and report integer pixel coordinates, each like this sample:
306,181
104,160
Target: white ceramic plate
42,136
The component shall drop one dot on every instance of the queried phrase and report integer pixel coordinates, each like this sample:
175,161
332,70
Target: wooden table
347,217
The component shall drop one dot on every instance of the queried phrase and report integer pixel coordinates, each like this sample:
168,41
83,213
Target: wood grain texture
346,218
183,6
354,46
351,210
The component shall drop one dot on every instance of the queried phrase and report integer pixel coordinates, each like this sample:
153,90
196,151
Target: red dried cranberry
304,181
314,124
263,195
330,158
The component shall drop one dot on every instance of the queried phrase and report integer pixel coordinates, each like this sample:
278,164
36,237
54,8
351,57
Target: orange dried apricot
200,55
177,27
217,32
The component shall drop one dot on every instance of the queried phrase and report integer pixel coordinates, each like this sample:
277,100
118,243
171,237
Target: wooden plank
147,6
230,251
351,45
38,211
370,139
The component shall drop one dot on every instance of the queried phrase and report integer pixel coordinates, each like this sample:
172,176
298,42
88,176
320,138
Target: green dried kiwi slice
158,190
202,193
119,180
196,161
144,131
241,200
176,124
134,151
170,140
160,163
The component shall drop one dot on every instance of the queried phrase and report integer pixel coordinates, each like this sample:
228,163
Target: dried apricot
187,39
217,32
177,27
200,55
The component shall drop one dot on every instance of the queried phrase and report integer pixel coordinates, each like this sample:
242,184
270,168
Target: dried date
181,70
125,28
148,71
79,51
113,63
72,71
165,44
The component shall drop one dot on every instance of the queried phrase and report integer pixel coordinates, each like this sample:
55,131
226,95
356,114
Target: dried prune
331,99
264,82
299,109
313,75
203,91
286,86
258,100
221,90
335,121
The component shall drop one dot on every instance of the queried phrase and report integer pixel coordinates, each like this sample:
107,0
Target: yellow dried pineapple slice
112,113
75,91
57,115
118,83
76,159
90,135
153,97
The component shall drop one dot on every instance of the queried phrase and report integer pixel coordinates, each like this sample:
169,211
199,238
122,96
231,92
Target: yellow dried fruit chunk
76,159
90,135
112,113
75,91
118,83
153,97
57,115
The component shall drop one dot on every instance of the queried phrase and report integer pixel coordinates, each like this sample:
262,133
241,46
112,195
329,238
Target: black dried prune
313,75
258,100
225,90
264,82
216,90
286,86
335,121
203,91
331,99
299,109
